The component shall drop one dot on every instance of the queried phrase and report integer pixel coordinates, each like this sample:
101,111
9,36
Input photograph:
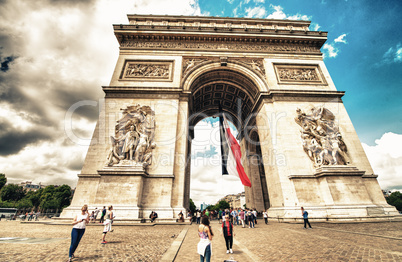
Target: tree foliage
192,206
3,180
223,205
12,192
395,199
50,197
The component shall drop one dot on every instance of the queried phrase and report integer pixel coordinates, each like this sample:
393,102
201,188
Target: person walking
204,247
265,214
79,224
250,219
242,217
96,213
255,213
102,219
305,217
108,224
235,217
198,217
227,230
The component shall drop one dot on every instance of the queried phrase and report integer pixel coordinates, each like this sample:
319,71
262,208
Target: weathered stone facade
265,74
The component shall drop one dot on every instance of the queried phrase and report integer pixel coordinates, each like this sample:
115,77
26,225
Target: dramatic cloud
393,55
332,49
341,39
279,14
54,54
256,12
386,160
314,26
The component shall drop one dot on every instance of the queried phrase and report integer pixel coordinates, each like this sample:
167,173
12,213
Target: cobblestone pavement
272,242
291,242
125,243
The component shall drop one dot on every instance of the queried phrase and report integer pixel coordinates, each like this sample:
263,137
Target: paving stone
272,242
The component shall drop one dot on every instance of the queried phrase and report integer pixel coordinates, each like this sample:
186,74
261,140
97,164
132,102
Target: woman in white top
204,246
108,224
78,231
265,213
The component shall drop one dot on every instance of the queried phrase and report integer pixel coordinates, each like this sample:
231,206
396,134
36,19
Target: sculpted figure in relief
321,138
133,140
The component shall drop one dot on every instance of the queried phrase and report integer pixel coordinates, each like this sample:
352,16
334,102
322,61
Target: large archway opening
223,90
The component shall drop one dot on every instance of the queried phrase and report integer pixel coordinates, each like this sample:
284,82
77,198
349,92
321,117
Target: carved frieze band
147,70
223,46
299,74
256,64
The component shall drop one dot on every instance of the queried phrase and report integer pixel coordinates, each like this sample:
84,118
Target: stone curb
171,253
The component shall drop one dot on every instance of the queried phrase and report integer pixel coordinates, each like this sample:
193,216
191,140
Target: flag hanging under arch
231,153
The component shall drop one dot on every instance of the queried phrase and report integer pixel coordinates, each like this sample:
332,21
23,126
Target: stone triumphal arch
299,147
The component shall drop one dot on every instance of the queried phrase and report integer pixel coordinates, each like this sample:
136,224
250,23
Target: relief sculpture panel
299,74
133,141
147,70
321,138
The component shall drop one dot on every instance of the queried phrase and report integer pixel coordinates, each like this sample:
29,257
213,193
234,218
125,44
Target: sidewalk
291,242
273,242
188,250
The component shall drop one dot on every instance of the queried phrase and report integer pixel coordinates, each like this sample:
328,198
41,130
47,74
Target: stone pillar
179,200
272,157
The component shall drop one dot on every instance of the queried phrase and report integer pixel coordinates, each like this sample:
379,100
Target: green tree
24,204
3,180
46,196
63,195
7,204
51,204
395,199
12,192
192,206
34,197
223,205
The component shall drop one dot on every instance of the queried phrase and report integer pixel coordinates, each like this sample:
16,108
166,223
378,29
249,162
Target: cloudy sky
56,53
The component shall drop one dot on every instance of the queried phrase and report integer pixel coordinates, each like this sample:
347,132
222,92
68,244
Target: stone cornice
297,95
224,31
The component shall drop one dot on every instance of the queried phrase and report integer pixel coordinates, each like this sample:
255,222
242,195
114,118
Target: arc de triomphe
299,147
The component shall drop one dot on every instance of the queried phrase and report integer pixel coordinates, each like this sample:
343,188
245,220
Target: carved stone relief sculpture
299,74
321,138
147,70
133,141
255,64
190,63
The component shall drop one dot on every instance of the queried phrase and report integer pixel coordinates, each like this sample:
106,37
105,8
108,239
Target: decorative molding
338,171
300,74
332,171
123,171
140,70
214,23
256,64
190,63
253,45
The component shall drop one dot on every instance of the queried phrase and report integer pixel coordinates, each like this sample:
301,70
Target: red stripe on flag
235,147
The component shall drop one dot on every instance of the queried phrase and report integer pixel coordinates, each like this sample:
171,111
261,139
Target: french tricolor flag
231,154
